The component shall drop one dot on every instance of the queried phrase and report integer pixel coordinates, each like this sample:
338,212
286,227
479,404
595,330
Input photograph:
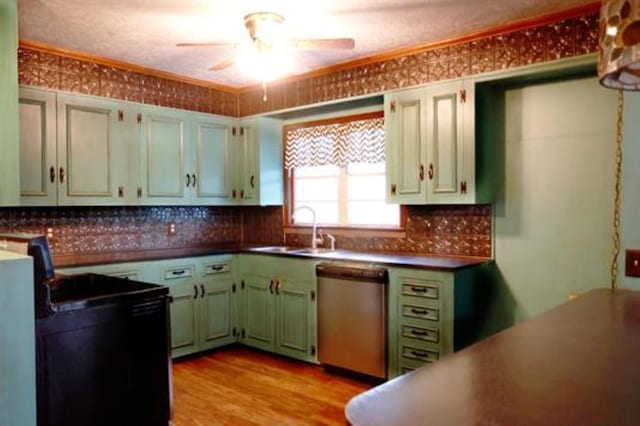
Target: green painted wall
9,148
553,214
630,220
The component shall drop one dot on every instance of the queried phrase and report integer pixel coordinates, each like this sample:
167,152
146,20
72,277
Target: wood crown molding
381,57
126,66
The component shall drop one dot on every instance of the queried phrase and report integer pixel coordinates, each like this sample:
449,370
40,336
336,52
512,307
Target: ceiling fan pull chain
264,91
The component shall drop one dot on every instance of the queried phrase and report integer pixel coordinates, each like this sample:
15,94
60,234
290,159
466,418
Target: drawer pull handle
178,273
418,311
420,354
216,267
419,332
419,289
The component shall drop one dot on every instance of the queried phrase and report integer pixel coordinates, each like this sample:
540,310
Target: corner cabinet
431,146
279,306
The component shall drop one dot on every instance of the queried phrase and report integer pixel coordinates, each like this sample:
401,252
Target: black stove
102,346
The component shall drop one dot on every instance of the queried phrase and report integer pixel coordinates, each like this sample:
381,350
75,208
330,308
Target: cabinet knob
139,192
121,191
463,187
278,286
252,181
61,175
188,180
193,180
195,289
271,287
421,172
242,193
52,174
393,189
430,171
233,194
201,290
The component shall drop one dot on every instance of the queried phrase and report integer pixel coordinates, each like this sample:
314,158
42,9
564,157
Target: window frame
289,181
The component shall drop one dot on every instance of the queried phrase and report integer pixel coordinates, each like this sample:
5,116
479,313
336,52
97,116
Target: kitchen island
576,364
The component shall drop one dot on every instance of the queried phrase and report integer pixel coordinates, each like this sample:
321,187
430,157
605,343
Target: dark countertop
412,260
574,365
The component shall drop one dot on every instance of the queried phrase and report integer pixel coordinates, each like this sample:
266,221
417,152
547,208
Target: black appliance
102,346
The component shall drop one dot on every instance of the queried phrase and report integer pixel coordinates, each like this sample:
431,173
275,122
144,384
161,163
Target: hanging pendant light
619,65
619,68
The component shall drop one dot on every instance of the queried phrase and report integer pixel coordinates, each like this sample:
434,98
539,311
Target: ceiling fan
268,44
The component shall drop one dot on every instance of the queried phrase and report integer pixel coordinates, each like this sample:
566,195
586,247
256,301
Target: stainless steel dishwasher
352,317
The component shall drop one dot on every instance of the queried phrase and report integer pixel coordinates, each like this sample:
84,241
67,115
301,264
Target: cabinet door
164,152
292,319
184,332
259,313
405,146
218,313
38,164
446,112
213,168
247,165
88,149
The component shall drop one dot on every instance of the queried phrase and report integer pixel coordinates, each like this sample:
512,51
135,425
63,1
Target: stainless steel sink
275,249
312,251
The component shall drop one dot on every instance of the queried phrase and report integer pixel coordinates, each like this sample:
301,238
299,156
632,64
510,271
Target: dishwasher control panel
352,271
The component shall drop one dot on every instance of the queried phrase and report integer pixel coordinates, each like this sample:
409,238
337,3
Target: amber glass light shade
619,64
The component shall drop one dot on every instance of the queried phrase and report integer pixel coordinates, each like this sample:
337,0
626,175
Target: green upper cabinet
258,159
163,169
38,162
431,146
75,150
89,149
212,160
449,140
405,146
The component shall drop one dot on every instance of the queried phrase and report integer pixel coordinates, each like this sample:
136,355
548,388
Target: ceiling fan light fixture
265,65
619,62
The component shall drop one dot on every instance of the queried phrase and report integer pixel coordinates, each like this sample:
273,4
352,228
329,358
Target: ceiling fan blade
325,43
206,44
223,65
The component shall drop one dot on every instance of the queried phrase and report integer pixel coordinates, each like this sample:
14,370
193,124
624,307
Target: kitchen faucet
314,239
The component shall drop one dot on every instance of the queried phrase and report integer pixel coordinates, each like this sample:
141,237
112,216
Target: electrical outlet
171,229
632,263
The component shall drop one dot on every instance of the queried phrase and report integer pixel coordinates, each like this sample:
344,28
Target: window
338,169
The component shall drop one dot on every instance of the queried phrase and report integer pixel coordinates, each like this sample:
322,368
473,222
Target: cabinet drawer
419,354
421,333
428,291
219,267
412,311
186,271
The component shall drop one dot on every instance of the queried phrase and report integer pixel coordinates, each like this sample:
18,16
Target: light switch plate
632,263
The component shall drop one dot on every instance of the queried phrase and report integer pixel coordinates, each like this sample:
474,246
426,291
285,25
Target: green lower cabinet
259,307
183,311
293,308
279,312
218,313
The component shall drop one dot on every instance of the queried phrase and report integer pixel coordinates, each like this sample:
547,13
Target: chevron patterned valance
359,141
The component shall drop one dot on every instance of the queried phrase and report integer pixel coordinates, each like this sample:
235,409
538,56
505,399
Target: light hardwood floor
241,386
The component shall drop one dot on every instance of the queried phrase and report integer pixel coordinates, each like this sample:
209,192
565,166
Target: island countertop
576,364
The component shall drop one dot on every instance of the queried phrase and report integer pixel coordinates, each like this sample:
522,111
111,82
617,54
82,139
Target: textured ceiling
144,32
